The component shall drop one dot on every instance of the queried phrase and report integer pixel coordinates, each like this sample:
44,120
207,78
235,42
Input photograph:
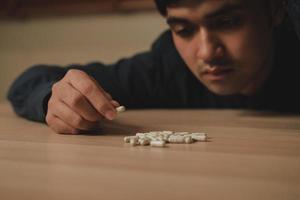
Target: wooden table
249,155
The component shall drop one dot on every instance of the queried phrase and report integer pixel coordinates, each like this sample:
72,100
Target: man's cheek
186,54
236,44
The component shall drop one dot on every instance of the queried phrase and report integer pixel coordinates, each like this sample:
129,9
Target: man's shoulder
282,88
287,53
164,51
164,40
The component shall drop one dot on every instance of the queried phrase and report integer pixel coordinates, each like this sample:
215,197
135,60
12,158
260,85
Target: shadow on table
115,128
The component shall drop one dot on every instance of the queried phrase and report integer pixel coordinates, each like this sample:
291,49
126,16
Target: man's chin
222,91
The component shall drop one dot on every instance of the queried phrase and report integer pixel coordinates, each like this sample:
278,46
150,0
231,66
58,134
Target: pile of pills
160,138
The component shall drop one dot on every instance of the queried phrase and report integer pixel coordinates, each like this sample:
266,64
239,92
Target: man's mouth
217,73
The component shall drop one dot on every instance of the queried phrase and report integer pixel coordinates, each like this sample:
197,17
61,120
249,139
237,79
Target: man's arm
32,88
142,81
75,98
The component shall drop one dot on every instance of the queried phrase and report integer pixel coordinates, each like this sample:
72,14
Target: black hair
162,5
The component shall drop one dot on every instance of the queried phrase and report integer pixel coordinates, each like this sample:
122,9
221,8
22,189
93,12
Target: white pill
120,109
166,137
127,138
176,139
142,137
158,143
140,134
188,140
160,138
199,137
181,133
134,141
199,134
144,142
152,138
167,132
153,133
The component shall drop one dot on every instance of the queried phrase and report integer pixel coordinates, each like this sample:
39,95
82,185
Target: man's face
225,43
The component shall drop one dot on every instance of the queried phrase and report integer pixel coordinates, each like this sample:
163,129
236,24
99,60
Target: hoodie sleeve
30,91
135,82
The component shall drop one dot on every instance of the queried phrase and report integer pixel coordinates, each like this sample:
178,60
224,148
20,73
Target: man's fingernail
115,103
110,115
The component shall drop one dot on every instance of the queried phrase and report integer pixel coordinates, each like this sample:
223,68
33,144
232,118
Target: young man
217,54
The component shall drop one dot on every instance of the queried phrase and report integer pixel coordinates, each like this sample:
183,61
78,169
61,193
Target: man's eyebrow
228,8
177,20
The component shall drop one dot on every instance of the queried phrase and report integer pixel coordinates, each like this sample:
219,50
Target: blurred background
72,31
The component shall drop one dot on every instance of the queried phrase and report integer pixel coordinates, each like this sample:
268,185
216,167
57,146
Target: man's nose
209,46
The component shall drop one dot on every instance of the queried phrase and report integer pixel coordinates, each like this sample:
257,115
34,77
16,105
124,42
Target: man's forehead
191,3
208,6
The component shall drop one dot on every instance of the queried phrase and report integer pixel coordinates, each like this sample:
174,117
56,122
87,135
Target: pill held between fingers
120,109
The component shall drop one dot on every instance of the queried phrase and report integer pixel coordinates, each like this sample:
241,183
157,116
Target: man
217,54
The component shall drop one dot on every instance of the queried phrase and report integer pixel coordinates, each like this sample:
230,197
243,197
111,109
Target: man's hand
78,103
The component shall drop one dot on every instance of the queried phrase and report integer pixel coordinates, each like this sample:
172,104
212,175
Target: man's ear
278,9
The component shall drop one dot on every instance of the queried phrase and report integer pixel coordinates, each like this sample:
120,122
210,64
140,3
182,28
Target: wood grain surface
249,155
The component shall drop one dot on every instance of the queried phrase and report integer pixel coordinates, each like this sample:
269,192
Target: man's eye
231,21
226,22
185,32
